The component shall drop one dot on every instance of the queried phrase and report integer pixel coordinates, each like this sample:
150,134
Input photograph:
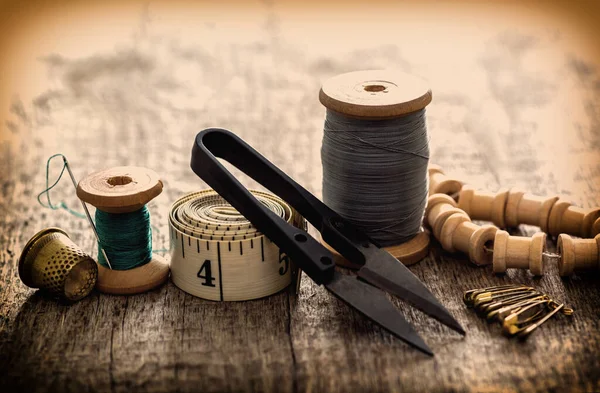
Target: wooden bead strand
485,206
450,223
519,252
123,190
577,254
440,183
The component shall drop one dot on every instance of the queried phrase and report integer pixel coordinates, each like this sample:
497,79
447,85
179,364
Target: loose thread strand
62,204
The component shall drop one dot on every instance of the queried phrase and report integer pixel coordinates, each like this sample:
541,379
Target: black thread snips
380,271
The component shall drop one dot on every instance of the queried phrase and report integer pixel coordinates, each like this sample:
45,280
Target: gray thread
375,173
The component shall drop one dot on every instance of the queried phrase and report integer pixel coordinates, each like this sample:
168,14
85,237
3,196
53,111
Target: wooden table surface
512,107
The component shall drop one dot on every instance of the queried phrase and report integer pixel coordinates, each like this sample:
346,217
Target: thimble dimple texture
58,267
56,264
81,279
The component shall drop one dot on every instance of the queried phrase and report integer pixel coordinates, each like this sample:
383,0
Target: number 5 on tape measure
217,254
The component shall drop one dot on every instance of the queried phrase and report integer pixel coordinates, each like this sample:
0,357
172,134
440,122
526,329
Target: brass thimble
51,261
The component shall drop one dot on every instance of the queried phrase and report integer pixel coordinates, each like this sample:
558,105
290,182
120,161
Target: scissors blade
373,303
386,272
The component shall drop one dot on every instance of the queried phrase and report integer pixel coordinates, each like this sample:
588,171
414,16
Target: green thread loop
62,204
126,238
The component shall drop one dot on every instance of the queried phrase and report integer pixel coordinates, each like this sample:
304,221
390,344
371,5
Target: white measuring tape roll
217,254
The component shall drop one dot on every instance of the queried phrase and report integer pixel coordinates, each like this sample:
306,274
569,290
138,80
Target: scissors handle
212,143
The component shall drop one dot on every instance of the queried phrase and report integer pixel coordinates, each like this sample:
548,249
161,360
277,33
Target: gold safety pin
487,297
526,331
565,310
513,319
508,307
469,295
520,309
506,300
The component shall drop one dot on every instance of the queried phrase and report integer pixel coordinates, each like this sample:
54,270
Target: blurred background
515,84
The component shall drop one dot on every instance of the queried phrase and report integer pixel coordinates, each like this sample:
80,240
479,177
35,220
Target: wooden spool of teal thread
123,224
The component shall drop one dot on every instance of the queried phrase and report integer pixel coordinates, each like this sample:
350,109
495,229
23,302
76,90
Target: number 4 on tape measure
205,274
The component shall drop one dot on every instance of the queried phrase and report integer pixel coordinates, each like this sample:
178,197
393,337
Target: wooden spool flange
380,94
439,183
518,252
577,254
482,205
122,190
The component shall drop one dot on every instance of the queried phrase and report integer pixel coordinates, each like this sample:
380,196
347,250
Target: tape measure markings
220,273
206,217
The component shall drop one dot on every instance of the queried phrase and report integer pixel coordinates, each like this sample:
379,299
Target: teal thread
62,204
126,238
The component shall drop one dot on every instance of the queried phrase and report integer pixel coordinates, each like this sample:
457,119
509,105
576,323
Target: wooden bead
577,254
486,206
449,228
459,233
518,252
596,227
572,220
439,208
437,199
522,208
439,183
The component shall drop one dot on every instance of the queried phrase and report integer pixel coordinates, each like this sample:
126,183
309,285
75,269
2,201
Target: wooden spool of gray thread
369,100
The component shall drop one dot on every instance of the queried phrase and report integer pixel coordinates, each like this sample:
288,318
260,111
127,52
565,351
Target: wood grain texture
147,98
375,94
122,189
